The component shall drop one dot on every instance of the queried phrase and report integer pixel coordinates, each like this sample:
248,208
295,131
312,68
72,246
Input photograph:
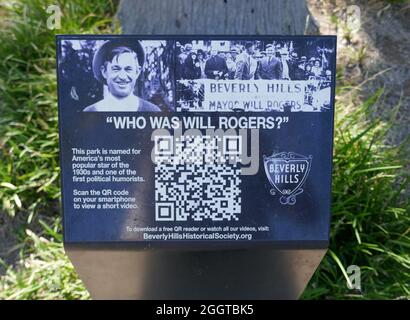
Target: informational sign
186,139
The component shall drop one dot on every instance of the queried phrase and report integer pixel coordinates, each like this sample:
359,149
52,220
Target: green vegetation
370,223
29,164
370,217
44,271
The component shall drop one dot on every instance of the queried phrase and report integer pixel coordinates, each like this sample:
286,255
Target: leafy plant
44,271
29,163
370,217
29,170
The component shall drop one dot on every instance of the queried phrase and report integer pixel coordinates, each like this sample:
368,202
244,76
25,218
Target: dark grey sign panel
196,141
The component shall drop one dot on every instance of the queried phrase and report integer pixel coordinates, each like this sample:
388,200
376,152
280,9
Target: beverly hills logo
287,172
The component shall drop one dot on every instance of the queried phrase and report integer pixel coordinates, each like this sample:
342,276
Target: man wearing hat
317,68
231,62
117,65
215,66
299,69
293,66
245,64
269,68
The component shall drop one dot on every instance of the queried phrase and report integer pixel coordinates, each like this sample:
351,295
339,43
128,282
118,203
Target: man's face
121,74
269,52
214,52
221,55
250,50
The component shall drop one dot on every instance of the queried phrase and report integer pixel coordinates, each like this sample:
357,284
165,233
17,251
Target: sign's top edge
176,36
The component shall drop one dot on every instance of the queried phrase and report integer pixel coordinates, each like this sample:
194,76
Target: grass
29,167
370,220
370,211
44,271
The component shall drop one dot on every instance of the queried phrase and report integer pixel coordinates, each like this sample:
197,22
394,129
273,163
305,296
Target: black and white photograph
259,75
121,74
185,75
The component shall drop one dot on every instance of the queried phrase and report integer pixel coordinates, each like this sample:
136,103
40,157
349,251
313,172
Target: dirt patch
379,50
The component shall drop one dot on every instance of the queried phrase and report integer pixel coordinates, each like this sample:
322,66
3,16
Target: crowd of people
246,62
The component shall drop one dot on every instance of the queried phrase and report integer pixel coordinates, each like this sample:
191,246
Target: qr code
197,177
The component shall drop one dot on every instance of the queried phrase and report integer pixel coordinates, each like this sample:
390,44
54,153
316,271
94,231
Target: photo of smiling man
117,64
